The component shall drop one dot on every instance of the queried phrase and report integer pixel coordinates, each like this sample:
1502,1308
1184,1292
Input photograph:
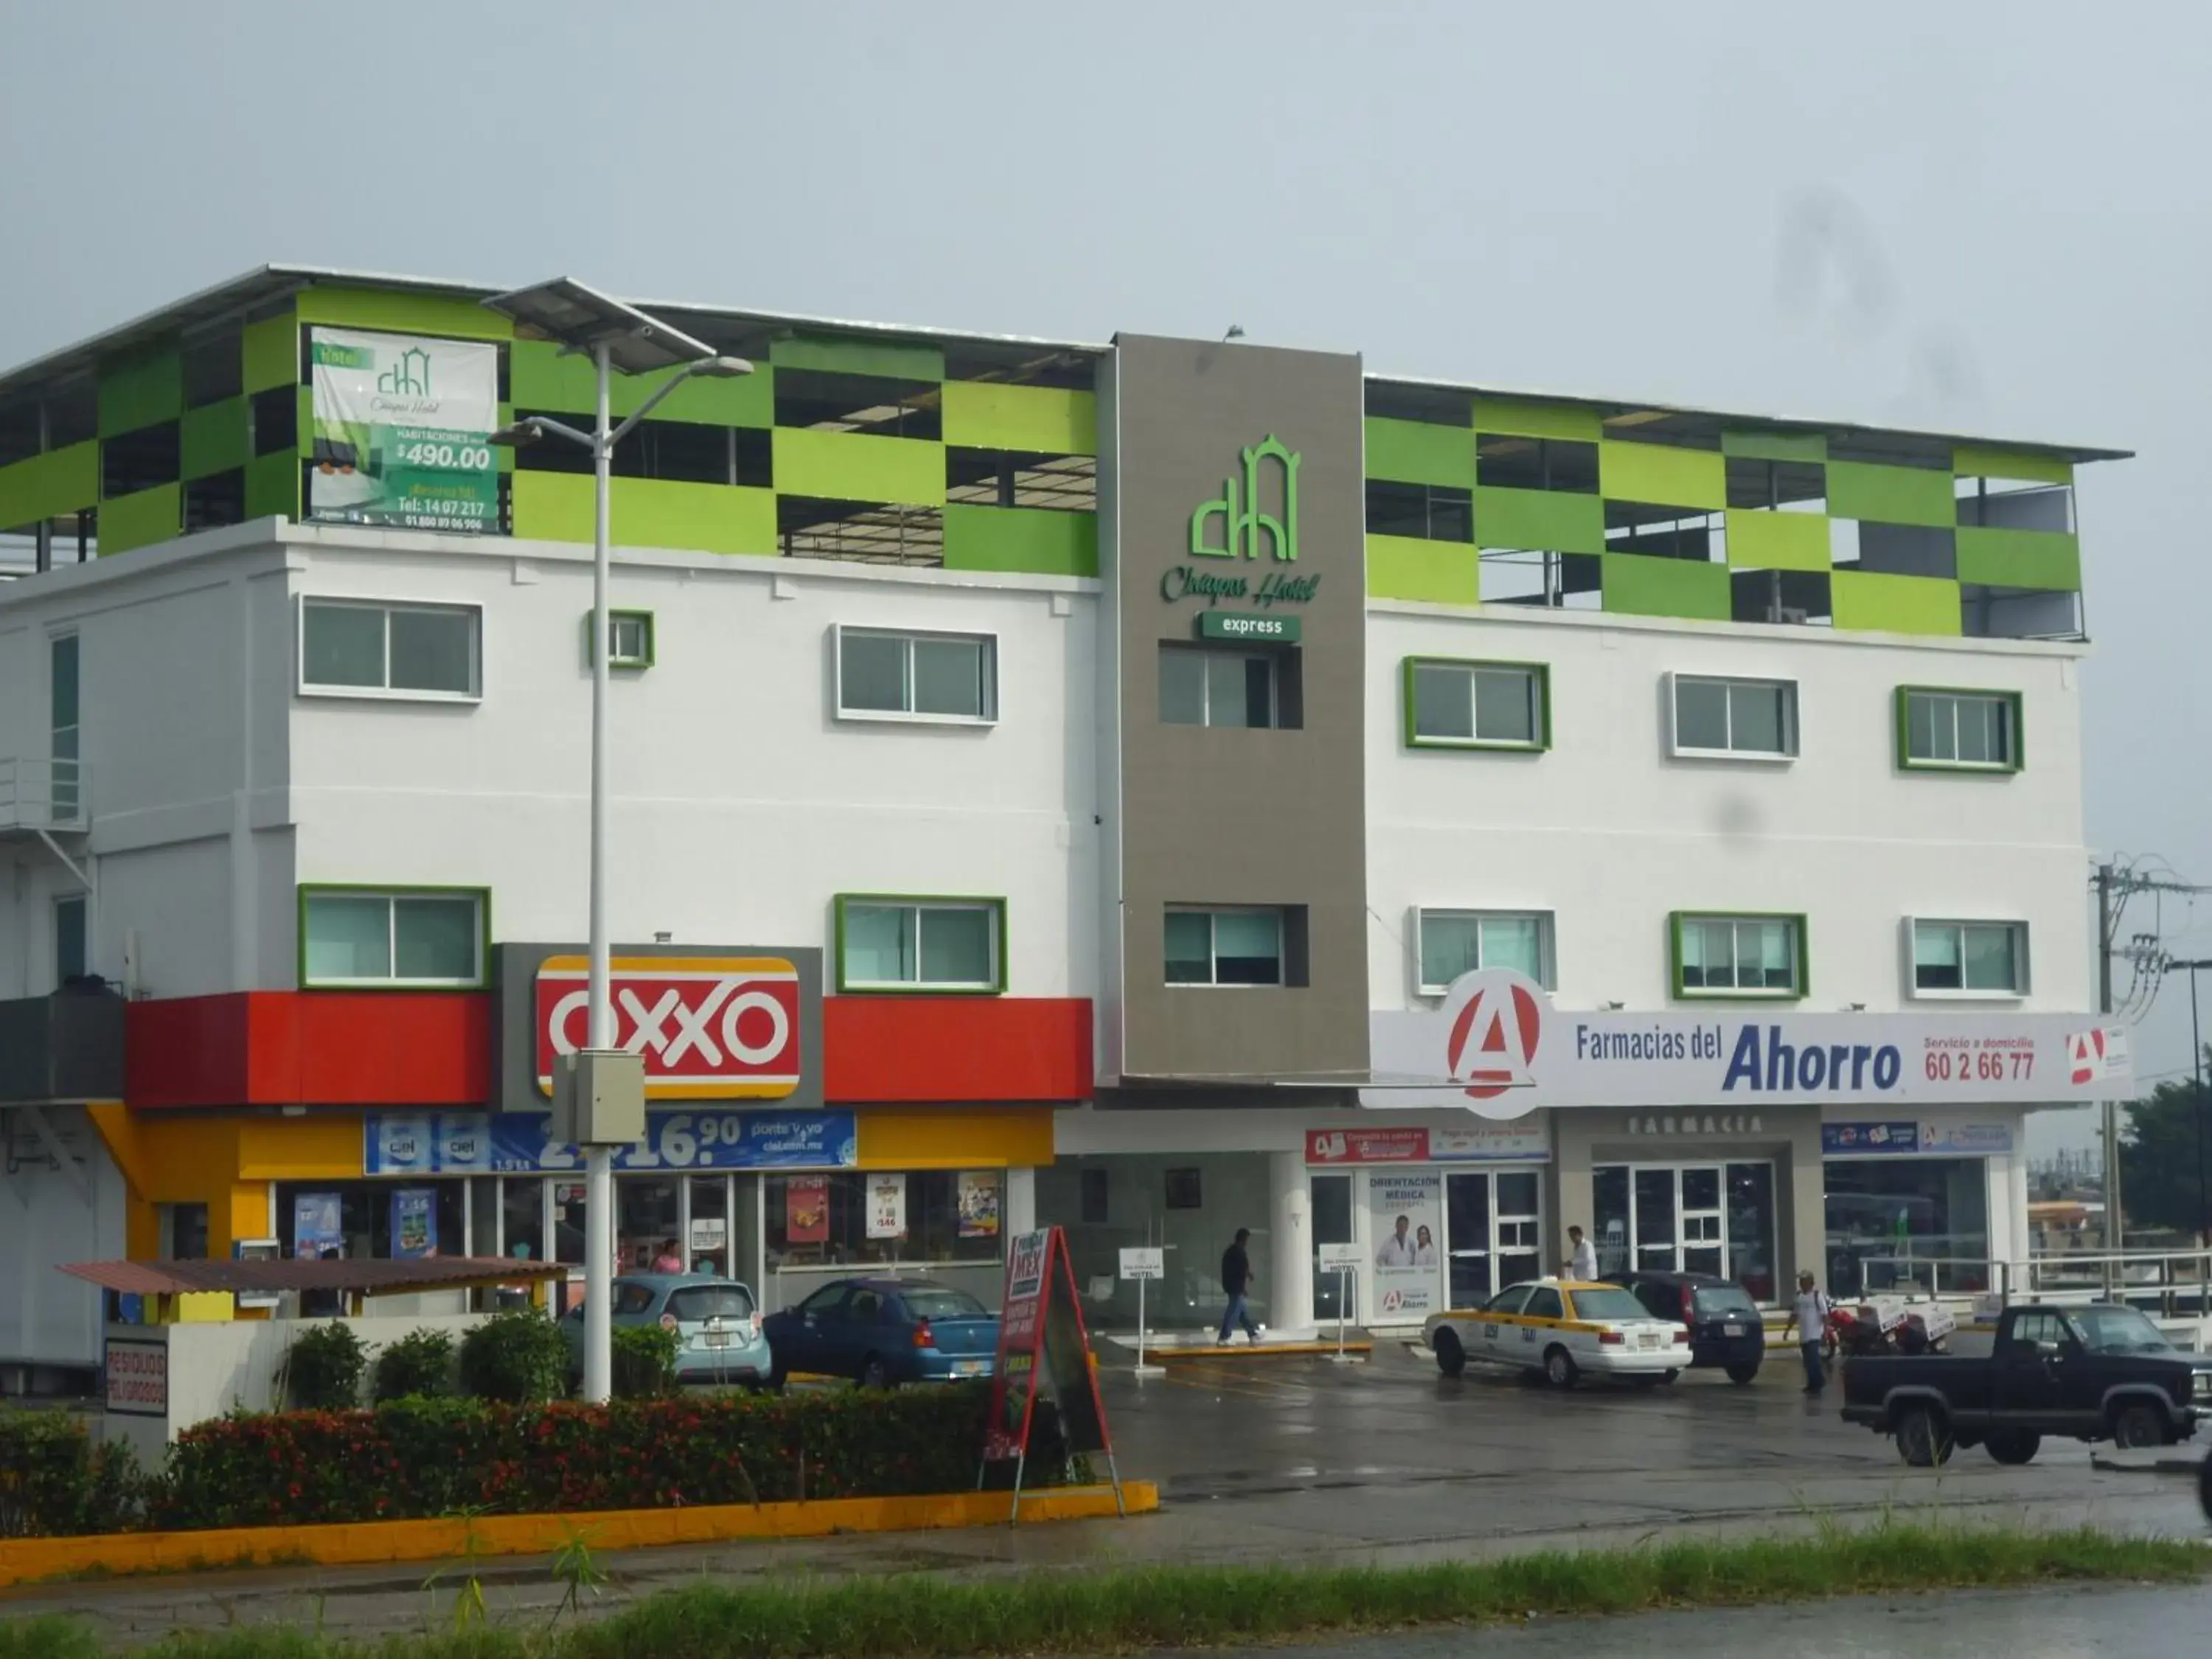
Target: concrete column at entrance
1289,1284
1808,1214
1574,1195
1021,1203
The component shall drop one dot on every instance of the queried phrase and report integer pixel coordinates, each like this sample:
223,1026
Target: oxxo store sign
1498,1046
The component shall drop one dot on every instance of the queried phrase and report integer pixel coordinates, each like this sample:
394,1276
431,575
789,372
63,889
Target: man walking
1808,1317
1235,1279
1582,1257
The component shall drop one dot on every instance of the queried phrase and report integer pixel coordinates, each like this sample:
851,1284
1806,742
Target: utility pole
2115,1226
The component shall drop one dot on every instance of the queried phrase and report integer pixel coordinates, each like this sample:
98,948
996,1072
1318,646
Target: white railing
2173,1284
42,794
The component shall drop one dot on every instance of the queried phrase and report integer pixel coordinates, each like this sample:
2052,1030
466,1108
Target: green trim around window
1409,675
1676,918
386,890
846,987
1905,763
651,640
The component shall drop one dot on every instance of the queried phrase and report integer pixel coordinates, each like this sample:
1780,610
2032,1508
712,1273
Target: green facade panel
1022,540
214,438
140,520
1036,419
540,377
1871,602
1529,417
2020,466
403,312
697,518
1638,585
1759,539
1545,520
1438,572
1891,495
272,486
851,466
1662,474
1416,452
2020,558
60,481
140,391
1775,445
269,352
839,354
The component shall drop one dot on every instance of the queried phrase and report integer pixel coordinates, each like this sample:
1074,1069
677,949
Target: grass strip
917,1617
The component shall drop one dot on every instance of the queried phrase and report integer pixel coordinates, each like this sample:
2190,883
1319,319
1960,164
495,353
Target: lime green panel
1775,445
1993,461
214,438
1891,495
701,518
1042,419
1523,417
1408,568
2020,558
270,354
1894,604
1414,452
1547,521
540,377
847,466
842,353
1636,585
272,486
1662,474
406,312
60,481
151,515
1032,540
138,391
1761,540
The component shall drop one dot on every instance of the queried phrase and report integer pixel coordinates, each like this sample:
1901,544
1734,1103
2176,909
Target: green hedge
55,1479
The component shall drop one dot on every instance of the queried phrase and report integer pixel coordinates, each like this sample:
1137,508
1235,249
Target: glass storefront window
847,1219
1907,1221
648,1223
368,1212
1332,1224
569,1223
522,1209
1750,1230
1697,1218
1188,1205
708,1247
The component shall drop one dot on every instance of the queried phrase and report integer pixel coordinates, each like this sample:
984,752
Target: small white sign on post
1343,1260
1141,1264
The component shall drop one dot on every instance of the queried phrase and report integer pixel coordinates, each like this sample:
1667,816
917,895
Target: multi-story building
1155,787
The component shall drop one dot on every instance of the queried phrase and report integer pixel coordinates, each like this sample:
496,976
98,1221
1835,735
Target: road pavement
1275,1460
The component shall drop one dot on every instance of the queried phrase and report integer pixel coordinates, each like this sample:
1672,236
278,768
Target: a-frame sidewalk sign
1044,1349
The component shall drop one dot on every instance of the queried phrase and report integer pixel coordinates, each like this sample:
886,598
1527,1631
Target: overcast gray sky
1988,217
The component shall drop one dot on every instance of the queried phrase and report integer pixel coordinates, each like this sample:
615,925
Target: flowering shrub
419,1458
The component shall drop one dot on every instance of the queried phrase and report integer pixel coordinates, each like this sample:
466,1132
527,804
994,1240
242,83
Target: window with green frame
1942,729
631,639
1724,955
897,942
1452,703
398,938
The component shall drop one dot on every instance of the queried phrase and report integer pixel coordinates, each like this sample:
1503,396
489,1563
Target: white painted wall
48,1217
1611,834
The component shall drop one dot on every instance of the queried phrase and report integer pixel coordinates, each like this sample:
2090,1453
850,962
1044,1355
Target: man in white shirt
1397,1250
1808,1317
1582,1259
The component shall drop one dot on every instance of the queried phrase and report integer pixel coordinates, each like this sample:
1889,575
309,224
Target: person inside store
324,1303
671,1259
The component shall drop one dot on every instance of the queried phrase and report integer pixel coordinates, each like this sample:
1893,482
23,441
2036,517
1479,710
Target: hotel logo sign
1245,528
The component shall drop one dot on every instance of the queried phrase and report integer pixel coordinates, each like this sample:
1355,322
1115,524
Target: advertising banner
886,1207
401,429
1499,1047
317,1224
806,1210
508,1142
1474,1142
414,1222
979,1204
1042,1346
1405,1213
1021,1320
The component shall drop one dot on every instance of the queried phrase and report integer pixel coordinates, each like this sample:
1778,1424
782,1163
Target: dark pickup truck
2100,1372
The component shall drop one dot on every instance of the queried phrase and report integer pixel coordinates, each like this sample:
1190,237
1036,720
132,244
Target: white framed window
391,648
1943,730
1739,719
72,945
402,938
891,942
1202,685
1451,942
1969,958
885,674
1738,955
1225,946
1455,704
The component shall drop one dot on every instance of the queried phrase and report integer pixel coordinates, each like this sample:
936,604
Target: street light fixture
617,337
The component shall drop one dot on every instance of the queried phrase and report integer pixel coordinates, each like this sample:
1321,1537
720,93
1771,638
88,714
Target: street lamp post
617,337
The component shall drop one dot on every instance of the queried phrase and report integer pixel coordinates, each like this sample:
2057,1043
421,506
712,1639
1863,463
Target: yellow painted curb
26,1560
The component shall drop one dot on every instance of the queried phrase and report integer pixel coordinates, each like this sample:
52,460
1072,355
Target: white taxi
1562,1329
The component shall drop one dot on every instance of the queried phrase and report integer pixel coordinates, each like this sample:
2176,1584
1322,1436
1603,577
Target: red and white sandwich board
1043,1346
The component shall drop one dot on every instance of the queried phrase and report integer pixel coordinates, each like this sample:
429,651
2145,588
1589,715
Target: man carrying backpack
1808,1317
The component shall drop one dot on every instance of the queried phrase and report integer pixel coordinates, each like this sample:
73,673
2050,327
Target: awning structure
362,1277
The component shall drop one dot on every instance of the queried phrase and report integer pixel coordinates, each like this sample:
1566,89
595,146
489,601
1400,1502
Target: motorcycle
1884,1325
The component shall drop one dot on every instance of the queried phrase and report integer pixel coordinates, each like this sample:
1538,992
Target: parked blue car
883,1332
716,1322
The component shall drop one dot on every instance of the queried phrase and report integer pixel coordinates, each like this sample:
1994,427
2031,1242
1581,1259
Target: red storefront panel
956,1048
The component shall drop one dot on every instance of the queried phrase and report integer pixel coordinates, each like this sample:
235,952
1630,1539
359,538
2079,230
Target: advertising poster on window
806,1210
318,1224
979,1204
402,428
1405,1212
886,1207
414,1222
